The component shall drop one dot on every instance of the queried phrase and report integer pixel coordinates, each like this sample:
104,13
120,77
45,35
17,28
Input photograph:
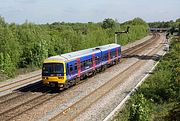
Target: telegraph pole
119,33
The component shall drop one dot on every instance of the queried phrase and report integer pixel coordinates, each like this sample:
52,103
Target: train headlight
45,77
59,77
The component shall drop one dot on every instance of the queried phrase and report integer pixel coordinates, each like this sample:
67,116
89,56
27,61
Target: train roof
80,53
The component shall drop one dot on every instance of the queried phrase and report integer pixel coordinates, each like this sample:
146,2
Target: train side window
82,64
70,68
87,62
97,59
90,61
119,51
105,56
75,66
113,53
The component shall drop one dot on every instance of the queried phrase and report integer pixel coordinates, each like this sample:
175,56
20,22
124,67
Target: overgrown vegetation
158,98
27,45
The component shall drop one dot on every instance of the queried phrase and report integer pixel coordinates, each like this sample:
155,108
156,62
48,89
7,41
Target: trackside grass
158,98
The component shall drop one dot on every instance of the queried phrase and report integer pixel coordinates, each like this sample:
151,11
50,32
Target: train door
93,61
117,53
71,69
109,57
79,67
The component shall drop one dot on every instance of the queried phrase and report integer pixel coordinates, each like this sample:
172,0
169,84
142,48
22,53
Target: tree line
165,24
173,25
28,44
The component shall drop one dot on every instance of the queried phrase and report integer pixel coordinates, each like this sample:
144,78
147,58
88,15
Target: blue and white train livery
64,70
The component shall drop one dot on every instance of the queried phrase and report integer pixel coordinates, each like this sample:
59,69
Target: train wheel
116,62
94,72
77,80
67,85
72,83
103,68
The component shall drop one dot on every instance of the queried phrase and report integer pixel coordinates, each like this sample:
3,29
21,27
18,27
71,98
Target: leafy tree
139,110
9,46
2,22
1,62
108,23
8,66
178,20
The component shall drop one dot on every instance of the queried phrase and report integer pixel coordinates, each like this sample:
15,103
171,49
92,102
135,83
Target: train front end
54,73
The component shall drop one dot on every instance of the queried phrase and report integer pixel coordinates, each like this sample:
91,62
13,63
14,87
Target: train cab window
53,68
70,68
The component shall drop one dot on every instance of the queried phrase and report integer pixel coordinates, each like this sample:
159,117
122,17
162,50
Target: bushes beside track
28,44
158,98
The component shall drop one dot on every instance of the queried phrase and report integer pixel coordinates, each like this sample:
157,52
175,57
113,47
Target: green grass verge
20,71
158,98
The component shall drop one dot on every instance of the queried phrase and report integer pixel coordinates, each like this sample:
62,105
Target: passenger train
65,70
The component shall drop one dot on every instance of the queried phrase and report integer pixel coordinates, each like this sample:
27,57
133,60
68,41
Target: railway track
17,110
19,83
128,52
20,92
15,95
29,103
125,53
74,110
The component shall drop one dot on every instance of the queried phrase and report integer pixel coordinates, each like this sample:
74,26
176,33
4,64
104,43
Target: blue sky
49,11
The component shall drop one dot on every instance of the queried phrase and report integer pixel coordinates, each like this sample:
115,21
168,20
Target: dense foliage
139,110
160,91
29,44
164,24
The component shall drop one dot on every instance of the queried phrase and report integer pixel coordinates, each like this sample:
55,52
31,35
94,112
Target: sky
49,11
